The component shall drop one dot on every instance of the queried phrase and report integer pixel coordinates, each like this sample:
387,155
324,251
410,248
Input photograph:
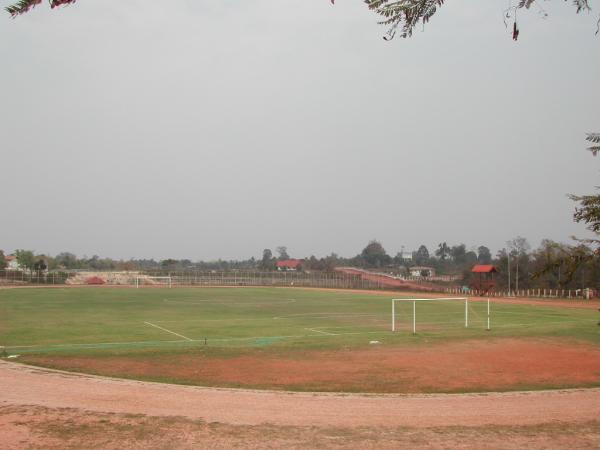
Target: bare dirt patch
471,366
59,428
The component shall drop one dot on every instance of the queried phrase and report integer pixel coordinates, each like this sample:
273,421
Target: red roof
484,268
289,263
10,257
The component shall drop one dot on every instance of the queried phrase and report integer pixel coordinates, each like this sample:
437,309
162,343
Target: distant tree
330,262
66,260
549,266
3,263
283,254
40,266
267,262
484,256
443,251
25,258
458,254
470,259
127,266
588,211
518,248
574,258
169,263
374,255
421,256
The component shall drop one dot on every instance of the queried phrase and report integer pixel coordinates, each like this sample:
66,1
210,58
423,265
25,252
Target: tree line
552,265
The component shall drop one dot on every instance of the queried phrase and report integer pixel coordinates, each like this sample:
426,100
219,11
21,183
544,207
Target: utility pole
517,276
508,254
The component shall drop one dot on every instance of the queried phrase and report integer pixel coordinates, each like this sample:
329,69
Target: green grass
100,320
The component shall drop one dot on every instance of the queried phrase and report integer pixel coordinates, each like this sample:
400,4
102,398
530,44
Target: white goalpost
444,299
153,281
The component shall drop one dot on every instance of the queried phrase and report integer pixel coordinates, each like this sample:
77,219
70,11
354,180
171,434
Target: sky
208,129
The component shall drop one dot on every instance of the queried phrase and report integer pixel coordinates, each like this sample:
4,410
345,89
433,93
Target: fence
333,280
282,279
22,277
585,294
207,278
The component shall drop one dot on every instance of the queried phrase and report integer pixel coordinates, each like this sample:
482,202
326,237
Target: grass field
229,336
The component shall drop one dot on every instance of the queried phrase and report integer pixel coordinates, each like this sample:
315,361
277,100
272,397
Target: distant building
289,264
11,262
406,256
422,271
483,277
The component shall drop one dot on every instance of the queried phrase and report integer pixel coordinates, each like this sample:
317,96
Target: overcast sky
207,129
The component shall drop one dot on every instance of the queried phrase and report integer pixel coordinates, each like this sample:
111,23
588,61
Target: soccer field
62,327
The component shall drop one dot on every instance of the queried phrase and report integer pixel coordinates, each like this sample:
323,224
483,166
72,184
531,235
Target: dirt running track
25,385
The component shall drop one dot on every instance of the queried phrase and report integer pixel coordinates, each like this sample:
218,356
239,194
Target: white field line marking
92,344
230,302
249,338
323,332
169,331
328,315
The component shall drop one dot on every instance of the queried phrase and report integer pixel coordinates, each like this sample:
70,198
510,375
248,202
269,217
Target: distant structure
289,265
484,279
406,256
422,271
11,262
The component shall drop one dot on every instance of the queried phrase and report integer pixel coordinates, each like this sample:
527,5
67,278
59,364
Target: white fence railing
585,294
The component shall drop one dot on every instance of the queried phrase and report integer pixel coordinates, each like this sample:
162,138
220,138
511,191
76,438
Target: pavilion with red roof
484,277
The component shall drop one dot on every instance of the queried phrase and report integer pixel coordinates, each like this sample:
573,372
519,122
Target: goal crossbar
415,300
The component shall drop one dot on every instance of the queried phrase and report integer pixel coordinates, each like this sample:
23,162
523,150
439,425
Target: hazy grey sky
215,128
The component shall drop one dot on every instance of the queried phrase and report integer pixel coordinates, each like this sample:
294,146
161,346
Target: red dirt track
25,385
470,366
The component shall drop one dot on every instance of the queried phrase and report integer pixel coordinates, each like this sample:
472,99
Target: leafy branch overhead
594,138
401,16
23,6
404,15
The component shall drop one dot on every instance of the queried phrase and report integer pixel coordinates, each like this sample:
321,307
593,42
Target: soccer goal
451,308
153,281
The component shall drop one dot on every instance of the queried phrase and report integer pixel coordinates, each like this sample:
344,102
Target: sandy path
24,385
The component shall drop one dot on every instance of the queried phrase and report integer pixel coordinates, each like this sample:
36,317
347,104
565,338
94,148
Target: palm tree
443,251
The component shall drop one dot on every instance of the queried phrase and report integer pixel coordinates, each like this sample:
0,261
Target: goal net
153,281
432,314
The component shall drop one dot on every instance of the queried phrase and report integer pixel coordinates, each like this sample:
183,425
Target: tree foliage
401,16
587,251
421,256
374,255
283,253
25,258
23,6
443,251
484,256
588,211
